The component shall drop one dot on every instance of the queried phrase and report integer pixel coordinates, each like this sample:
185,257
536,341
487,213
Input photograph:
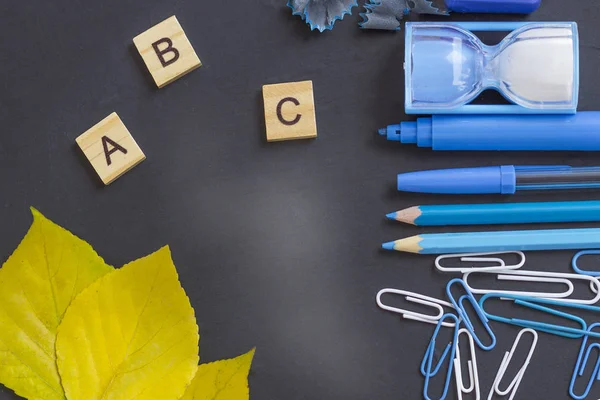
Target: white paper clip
419,299
514,385
473,370
486,258
539,276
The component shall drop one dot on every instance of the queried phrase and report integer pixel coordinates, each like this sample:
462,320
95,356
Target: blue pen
506,179
578,132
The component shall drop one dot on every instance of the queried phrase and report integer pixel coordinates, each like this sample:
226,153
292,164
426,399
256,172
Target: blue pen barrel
578,132
505,179
494,6
554,178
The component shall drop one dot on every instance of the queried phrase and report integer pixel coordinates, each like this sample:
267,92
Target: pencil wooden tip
408,215
409,245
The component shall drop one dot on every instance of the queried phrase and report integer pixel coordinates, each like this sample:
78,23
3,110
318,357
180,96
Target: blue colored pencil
483,242
505,213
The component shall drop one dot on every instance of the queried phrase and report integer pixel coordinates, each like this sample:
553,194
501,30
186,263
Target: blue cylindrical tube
556,177
505,179
494,6
577,132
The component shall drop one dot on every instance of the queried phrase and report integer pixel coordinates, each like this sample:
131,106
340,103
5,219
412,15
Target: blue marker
506,179
578,132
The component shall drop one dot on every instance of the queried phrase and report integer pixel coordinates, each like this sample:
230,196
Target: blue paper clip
462,313
536,304
428,357
582,362
581,271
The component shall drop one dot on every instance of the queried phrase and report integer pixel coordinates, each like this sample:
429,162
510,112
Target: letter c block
290,111
167,52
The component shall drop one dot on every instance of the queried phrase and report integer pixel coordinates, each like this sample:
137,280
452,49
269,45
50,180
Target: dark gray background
277,244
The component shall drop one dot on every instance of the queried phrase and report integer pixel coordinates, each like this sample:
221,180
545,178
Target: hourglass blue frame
411,108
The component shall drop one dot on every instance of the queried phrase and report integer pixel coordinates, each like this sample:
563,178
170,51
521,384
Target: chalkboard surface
277,244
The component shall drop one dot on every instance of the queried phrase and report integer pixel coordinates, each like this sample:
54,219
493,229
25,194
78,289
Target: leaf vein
226,383
7,350
146,389
48,273
27,335
162,327
156,357
137,325
33,309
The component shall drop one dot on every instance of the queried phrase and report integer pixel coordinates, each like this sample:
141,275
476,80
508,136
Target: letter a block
167,52
290,111
110,148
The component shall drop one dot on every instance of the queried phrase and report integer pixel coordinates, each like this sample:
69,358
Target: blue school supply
426,364
543,305
493,6
499,213
462,313
574,263
582,362
577,132
388,14
486,242
536,67
505,179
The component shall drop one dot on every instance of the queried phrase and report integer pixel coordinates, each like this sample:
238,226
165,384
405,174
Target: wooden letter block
110,148
167,52
290,111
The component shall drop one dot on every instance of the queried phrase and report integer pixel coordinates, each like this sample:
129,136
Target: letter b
169,49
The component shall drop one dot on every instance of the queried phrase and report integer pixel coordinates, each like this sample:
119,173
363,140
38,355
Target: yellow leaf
37,284
222,380
130,335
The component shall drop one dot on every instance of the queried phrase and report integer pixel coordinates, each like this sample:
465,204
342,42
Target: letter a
169,49
116,147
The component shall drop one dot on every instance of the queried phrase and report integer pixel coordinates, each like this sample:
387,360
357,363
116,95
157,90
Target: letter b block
167,52
110,148
290,111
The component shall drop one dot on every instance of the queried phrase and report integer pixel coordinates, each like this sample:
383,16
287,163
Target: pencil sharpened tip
391,216
382,132
388,246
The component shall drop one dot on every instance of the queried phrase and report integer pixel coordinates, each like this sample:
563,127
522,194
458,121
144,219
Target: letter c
280,115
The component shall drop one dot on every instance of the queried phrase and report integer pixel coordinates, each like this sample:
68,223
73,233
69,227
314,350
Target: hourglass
535,67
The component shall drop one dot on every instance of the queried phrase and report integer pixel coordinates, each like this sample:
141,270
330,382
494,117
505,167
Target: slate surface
277,244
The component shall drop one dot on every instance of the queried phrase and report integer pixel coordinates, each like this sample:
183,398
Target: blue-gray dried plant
322,14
